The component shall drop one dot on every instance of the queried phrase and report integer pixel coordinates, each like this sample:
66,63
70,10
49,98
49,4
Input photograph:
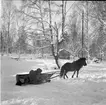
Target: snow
88,89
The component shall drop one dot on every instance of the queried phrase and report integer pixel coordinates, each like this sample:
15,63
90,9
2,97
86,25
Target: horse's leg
77,73
66,75
73,74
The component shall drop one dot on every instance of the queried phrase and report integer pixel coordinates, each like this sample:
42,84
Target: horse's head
83,61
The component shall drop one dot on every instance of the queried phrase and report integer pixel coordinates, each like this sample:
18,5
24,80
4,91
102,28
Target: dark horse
74,66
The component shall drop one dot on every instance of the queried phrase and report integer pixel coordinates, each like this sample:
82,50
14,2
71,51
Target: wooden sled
23,79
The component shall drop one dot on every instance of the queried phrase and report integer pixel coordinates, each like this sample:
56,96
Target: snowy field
88,89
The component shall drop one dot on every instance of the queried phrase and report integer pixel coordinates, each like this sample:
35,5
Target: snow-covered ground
88,89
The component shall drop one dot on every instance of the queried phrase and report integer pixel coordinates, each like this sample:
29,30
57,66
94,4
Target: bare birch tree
8,20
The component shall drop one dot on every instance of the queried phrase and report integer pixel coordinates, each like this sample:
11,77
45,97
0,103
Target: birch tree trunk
52,46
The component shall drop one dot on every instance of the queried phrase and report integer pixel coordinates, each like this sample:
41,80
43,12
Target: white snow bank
25,101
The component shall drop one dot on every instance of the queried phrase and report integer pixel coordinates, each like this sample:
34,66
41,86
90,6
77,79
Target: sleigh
23,79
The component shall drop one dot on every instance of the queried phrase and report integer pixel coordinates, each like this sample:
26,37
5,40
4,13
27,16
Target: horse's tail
61,72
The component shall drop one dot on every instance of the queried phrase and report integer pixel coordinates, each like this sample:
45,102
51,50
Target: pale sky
54,18
17,3
69,3
0,13
0,7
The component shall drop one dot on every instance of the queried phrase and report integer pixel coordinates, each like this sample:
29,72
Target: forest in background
45,27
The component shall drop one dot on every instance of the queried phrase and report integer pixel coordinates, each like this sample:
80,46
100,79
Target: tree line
42,26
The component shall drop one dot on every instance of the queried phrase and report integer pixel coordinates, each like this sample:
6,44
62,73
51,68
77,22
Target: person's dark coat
35,76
